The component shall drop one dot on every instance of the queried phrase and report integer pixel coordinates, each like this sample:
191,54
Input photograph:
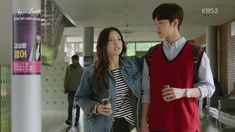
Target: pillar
88,40
26,66
211,49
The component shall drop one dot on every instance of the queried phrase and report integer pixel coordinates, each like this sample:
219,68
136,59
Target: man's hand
171,93
144,126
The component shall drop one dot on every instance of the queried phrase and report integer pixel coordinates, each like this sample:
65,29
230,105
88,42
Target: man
170,91
71,83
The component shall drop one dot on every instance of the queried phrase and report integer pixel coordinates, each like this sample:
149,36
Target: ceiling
133,17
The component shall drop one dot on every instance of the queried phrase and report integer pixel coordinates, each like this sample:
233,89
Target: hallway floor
54,121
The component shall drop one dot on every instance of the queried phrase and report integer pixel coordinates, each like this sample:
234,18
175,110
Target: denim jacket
87,98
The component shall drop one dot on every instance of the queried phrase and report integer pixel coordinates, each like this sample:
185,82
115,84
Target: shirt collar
176,44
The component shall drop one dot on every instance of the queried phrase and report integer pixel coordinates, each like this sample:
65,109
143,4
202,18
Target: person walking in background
170,91
110,90
71,82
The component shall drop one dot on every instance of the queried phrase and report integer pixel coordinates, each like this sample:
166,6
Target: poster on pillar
26,44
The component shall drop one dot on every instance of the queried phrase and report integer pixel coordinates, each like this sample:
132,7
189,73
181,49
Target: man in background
71,82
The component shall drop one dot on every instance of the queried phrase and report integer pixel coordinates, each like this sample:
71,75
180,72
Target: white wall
5,31
53,97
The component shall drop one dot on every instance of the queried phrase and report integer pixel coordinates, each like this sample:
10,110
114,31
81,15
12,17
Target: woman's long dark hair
99,82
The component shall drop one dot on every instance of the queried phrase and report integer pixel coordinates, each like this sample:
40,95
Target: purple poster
26,45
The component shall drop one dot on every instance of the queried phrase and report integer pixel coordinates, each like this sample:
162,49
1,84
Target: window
139,48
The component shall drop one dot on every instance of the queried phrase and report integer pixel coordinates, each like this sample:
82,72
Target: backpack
197,57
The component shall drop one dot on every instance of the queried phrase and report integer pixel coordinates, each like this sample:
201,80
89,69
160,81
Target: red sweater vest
180,115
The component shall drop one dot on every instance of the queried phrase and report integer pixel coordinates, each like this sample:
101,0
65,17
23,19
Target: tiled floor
53,121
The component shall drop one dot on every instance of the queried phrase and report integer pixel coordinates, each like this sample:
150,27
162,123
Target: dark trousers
70,108
121,125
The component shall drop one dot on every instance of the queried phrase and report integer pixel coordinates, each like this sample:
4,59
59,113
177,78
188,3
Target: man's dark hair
169,11
74,57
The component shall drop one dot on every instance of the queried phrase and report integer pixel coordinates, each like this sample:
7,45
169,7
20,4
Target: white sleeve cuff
204,91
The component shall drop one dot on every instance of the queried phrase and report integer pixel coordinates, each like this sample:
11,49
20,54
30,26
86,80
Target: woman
113,77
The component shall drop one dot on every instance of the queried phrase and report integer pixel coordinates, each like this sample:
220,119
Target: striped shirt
123,103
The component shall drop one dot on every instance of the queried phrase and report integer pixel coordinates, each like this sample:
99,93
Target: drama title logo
31,11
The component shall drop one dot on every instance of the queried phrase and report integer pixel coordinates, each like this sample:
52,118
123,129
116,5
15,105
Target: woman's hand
104,109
